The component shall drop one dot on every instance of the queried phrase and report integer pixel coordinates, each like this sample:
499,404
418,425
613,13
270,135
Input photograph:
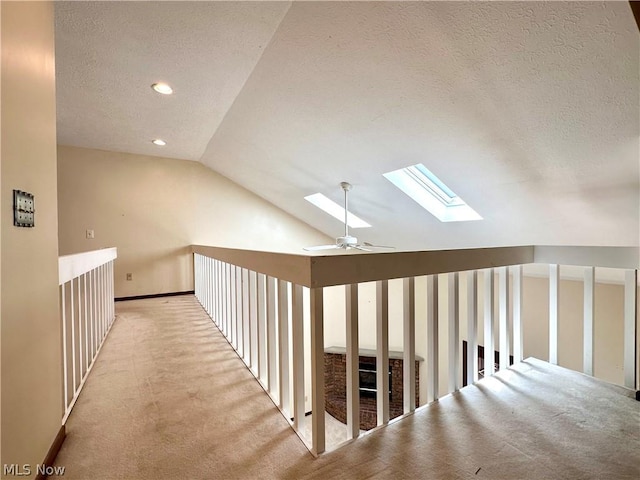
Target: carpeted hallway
169,399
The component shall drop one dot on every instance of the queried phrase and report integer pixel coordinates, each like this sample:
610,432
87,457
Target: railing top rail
290,267
347,269
328,270
72,266
586,256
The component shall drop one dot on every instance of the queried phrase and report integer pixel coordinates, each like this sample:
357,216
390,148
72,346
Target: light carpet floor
169,399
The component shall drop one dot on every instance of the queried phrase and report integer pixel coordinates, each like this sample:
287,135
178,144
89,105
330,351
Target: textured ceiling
528,110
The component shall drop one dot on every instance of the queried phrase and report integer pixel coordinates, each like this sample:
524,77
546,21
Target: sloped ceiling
527,110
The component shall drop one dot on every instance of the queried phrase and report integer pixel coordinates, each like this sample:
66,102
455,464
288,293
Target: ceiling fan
347,242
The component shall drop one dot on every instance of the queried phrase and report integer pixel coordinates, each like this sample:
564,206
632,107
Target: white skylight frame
431,193
332,208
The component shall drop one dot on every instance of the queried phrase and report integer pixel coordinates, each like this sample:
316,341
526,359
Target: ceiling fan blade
321,247
360,247
367,244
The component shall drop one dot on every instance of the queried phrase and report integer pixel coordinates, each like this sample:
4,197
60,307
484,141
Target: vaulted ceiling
530,111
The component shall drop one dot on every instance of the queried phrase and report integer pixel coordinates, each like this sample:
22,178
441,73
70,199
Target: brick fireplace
335,381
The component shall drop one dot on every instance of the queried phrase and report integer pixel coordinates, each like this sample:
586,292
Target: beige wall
153,208
30,329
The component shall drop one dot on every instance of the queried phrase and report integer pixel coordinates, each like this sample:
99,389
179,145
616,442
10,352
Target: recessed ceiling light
162,88
432,194
159,142
335,210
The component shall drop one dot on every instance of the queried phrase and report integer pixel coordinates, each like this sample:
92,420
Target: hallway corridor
168,398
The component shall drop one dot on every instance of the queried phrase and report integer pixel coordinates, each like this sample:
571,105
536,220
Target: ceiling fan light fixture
159,142
346,242
163,88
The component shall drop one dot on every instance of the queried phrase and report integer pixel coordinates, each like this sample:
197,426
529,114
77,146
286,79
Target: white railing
273,309
87,313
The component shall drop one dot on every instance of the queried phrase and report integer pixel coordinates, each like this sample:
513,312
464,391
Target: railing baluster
73,335
80,331
454,331
432,339
503,316
207,287
237,309
472,327
518,334
246,318
382,351
220,299
262,324
297,339
94,329
317,371
588,324
65,361
272,370
253,320
630,322
489,347
554,296
409,345
353,359
283,343
234,305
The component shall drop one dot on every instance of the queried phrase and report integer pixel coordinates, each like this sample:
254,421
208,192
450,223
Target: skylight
335,210
432,194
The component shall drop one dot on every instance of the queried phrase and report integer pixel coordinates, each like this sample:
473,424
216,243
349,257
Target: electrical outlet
90,234
129,276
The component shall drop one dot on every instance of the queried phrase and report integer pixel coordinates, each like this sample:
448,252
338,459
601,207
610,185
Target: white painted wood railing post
94,317
224,304
65,361
489,347
503,316
353,361
382,351
297,346
246,318
518,334
205,285
232,304
588,320
409,345
218,299
283,343
229,303
432,339
630,329
195,275
73,335
554,303
253,320
472,327
212,291
317,371
262,327
240,312
80,331
272,365
454,331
